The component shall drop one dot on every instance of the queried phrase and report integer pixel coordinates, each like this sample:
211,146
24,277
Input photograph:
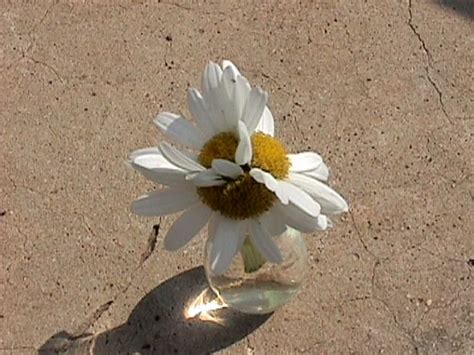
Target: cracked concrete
382,89
429,65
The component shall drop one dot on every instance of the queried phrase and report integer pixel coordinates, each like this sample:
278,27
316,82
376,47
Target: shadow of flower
465,7
159,325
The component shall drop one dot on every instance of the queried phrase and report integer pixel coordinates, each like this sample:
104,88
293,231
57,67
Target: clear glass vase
250,286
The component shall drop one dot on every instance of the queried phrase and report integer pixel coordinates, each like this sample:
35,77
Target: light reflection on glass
203,306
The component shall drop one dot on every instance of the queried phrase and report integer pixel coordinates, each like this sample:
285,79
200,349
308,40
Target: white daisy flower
240,178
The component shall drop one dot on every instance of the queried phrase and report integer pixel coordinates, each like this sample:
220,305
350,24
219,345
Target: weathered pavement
383,89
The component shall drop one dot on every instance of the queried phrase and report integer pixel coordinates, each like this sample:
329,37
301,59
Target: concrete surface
383,89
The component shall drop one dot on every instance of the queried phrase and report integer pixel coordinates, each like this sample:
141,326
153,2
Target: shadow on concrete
464,7
158,325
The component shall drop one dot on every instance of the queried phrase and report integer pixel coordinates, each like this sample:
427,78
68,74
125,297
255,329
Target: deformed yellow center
221,146
238,199
243,197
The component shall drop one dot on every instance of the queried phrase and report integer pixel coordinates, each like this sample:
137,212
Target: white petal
244,86
178,158
228,101
166,201
228,63
264,178
320,173
235,98
227,168
201,113
150,153
254,108
227,239
270,183
322,222
210,78
272,221
306,161
149,158
264,243
266,123
177,128
187,226
164,176
151,164
296,218
331,202
206,178
231,108
243,154
217,103
214,96
329,222
242,91
299,198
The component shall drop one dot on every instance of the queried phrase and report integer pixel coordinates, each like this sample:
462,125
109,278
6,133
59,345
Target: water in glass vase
252,285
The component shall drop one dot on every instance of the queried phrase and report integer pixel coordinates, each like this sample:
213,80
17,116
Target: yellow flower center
221,146
270,156
243,197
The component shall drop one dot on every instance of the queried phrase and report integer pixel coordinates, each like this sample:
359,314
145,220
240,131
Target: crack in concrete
32,42
46,65
356,67
429,64
448,259
82,330
361,240
442,258
419,343
35,61
26,252
373,296
409,333
396,322
151,245
46,13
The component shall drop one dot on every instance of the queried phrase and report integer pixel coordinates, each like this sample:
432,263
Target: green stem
253,260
